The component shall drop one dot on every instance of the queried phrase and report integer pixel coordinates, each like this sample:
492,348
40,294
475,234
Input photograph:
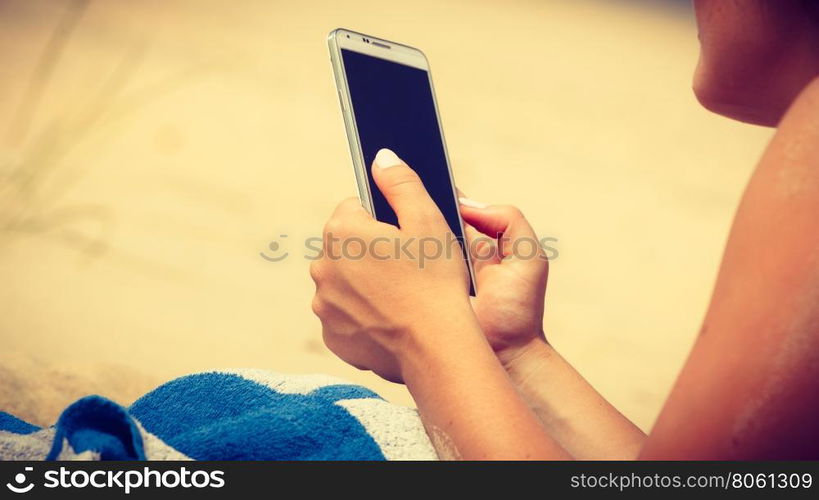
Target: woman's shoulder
773,250
783,193
747,389
795,145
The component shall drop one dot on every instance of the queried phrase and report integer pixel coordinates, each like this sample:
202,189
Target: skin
420,328
482,372
756,56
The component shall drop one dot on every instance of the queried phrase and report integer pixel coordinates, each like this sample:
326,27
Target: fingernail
385,158
471,203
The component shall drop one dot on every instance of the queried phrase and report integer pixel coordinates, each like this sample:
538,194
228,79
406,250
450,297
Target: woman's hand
381,290
407,317
511,271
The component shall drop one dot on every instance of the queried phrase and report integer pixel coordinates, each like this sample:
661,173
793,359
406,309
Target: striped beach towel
227,415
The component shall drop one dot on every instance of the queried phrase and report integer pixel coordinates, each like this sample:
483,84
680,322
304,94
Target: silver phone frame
341,38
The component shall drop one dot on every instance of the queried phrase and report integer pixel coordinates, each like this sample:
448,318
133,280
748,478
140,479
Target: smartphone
387,101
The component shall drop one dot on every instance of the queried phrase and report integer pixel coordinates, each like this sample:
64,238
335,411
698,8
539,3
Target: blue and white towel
228,415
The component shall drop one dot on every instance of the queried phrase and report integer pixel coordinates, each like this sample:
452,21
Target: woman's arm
410,322
575,414
750,387
468,404
511,283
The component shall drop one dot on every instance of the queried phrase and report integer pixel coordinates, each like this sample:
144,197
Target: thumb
403,190
516,240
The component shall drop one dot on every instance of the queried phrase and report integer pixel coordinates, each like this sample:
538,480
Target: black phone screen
394,108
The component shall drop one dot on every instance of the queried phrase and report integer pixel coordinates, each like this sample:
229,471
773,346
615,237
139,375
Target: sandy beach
150,151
